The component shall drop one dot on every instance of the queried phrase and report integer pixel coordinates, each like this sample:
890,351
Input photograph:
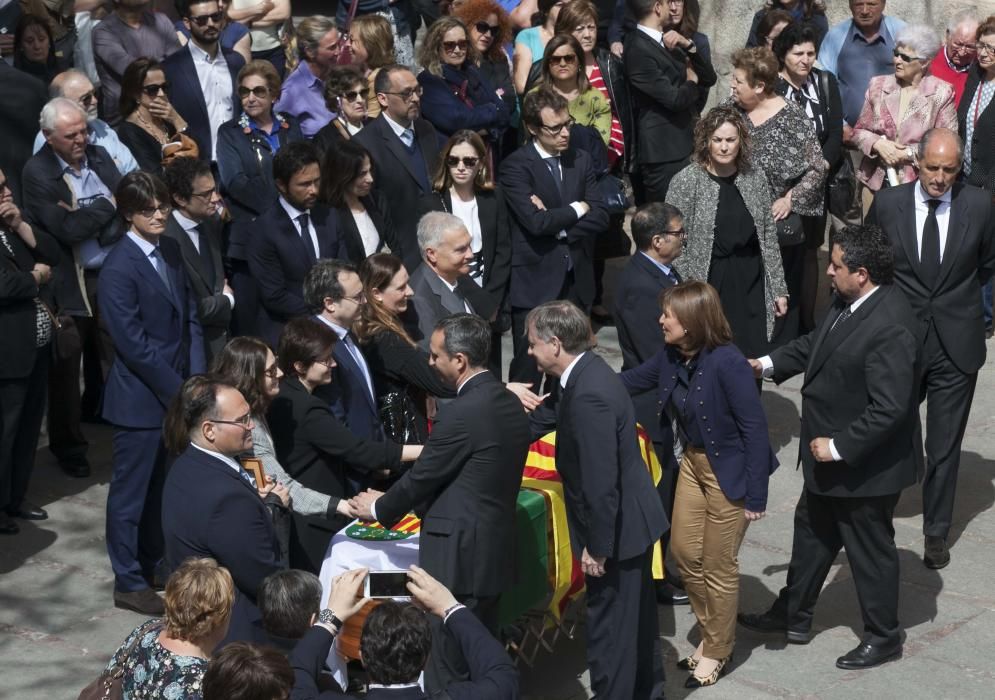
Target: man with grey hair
76,86
68,188
959,50
442,283
613,511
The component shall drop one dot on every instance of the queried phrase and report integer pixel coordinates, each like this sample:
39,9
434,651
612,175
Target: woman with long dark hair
149,122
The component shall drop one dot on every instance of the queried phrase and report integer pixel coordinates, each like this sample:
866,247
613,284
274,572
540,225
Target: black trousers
523,366
793,263
446,664
863,527
655,180
22,407
948,393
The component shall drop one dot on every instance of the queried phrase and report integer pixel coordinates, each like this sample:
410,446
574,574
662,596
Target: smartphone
386,584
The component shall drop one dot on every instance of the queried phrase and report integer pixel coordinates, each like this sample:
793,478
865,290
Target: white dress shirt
227,460
312,235
576,206
469,214
942,216
215,83
367,231
566,373
353,351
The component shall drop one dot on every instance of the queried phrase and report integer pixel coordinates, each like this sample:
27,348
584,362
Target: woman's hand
345,508
780,306
754,515
277,489
781,207
344,601
891,154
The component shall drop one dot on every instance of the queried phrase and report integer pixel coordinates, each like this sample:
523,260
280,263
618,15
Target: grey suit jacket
433,301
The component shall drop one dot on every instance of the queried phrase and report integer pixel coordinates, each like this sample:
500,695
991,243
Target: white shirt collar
394,126
292,211
654,34
463,383
201,56
147,248
856,304
394,685
185,223
339,330
451,287
566,373
217,455
542,151
923,196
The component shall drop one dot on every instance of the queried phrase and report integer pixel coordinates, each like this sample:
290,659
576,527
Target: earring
685,331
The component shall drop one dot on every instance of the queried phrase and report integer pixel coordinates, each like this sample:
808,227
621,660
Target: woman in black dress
149,122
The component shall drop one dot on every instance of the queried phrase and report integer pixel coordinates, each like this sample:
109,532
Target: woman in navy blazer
708,396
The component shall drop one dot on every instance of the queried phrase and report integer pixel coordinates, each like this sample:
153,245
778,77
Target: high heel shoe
694,681
688,664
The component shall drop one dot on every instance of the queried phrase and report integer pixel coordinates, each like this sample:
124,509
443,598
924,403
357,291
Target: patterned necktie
159,263
553,163
929,258
408,138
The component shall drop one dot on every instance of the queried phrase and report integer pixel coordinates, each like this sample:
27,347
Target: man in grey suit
195,225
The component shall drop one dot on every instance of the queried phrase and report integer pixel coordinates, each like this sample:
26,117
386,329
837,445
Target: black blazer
494,232
983,141
465,486
613,508
21,98
968,259
208,510
279,263
377,208
187,97
44,189
396,181
861,390
637,312
664,102
18,292
317,450
538,257
207,280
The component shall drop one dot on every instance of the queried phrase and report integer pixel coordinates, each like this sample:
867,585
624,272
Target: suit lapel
543,174
143,263
189,76
956,232
907,214
290,229
190,254
395,146
450,302
892,101
828,342
425,141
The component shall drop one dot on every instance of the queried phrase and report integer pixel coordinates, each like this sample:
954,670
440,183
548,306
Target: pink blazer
932,106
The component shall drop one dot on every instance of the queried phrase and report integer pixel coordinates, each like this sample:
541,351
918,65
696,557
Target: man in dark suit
289,238
210,507
464,486
658,231
556,212
21,98
151,314
26,256
203,75
196,226
68,191
664,72
404,149
859,445
942,236
613,511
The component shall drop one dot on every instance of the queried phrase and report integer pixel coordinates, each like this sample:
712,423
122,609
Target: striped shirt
615,142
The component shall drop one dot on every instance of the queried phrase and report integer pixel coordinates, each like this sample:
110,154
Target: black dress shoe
936,555
144,601
867,656
27,511
7,525
772,623
76,466
669,594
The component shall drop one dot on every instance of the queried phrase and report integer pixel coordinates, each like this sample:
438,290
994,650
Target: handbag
613,191
109,685
182,147
841,185
790,231
399,419
66,339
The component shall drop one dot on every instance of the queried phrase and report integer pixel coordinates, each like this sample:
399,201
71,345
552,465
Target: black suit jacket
465,489
613,508
396,181
315,448
664,101
377,208
21,98
18,292
213,307
861,390
279,263
983,143
187,97
954,305
494,232
539,258
637,312
433,301
44,189
208,510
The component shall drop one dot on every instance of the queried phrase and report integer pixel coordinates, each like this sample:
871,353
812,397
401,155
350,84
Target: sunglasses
905,57
202,20
354,95
454,46
567,60
154,89
484,28
260,91
468,161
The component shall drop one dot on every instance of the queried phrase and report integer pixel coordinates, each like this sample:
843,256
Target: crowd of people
232,235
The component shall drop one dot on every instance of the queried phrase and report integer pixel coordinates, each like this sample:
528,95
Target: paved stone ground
58,626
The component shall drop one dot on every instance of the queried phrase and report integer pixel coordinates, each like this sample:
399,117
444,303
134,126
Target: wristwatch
327,617
691,48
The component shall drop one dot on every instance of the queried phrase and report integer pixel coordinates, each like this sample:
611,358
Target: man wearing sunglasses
203,75
76,86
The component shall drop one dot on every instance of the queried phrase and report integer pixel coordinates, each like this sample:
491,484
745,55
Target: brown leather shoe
144,601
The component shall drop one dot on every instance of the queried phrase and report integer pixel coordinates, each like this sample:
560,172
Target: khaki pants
707,531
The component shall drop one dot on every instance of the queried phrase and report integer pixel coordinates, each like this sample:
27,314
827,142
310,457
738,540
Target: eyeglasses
484,28
202,20
468,161
206,194
454,46
155,88
163,209
356,298
567,60
327,362
244,422
558,128
677,233
986,48
354,95
87,99
960,46
406,95
905,57
260,91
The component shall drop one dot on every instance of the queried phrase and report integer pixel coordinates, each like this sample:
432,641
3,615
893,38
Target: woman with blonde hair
372,48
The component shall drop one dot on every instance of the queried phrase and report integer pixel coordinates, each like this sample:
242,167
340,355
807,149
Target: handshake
359,506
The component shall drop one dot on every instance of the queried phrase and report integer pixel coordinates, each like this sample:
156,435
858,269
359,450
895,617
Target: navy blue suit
279,262
350,396
210,511
157,344
187,97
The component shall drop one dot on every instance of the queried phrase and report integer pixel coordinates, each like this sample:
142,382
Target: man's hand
673,39
592,566
362,504
344,600
617,48
537,203
820,450
42,273
757,367
227,289
530,401
277,489
11,216
752,515
429,593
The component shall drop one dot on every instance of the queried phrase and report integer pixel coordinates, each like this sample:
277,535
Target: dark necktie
306,237
159,263
204,249
553,163
929,258
841,319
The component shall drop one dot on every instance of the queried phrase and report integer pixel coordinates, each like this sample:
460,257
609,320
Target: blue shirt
303,96
101,134
87,187
273,137
858,62
665,269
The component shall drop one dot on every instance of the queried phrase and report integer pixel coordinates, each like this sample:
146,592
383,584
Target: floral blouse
151,671
591,108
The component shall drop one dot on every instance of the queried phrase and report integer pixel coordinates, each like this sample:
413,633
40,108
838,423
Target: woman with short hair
347,94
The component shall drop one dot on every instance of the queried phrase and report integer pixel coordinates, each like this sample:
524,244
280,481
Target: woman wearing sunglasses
456,95
347,95
490,31
462,186
149,120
